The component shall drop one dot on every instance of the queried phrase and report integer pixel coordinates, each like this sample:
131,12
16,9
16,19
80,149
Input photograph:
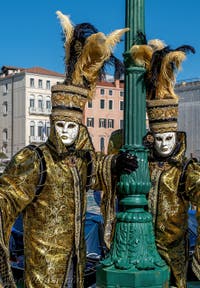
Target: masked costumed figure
48,183
175,180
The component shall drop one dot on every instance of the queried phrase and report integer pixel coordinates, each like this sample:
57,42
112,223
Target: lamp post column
133,260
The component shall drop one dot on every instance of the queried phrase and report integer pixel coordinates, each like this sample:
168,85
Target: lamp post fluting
133,260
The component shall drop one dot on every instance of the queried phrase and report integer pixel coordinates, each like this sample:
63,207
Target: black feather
81,33
156,61
119,68
186,49
114,62
140,39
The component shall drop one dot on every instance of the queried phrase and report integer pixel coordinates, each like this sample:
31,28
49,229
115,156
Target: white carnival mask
165,143
68,131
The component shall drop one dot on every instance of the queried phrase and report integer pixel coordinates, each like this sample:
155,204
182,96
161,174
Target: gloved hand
124,162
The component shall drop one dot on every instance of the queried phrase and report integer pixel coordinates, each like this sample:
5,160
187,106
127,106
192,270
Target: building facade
25,105
189,115
104,114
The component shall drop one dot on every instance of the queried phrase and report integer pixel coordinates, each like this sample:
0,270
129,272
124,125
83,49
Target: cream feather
68,29
114,37
156,44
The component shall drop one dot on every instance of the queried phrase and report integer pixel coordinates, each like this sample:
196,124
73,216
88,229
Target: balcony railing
37,111
37,139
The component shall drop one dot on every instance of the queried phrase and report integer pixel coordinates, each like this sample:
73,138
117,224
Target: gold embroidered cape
54,222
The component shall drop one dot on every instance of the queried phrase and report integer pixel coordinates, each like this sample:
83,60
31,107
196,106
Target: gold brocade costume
175,181
54,246
54,222
169,207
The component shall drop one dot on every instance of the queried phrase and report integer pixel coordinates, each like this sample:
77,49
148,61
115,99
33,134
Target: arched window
32,101
102,144
40,129
5,135
48,103
40,102
5,108
32,128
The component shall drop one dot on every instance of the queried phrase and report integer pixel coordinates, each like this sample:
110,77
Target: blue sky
31,32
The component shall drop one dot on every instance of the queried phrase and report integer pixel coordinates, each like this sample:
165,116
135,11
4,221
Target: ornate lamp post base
110,277
133,260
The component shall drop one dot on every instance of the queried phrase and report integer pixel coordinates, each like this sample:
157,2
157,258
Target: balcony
39,111
37,139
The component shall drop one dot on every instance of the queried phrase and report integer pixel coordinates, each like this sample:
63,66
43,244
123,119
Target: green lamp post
133,260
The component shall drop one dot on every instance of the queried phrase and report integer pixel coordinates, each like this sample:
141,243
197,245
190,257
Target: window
32,83
32,102
44,130
32,128
102,144
102,103
110,92
89,104
39,83
110,123
5,88
90,122
110,104
40,129
102,91
5,135
121,124
121,93
40,103
48,131
121,105
102,123
5,108
48,85
48,104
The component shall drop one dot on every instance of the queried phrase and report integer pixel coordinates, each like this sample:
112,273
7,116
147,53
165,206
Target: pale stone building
189,114
25,105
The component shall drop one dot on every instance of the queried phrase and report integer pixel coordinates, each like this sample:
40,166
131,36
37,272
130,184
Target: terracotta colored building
104,113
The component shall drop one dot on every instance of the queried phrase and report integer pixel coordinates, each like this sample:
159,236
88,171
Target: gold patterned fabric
53,223
169,203
163,115
68,100
169,207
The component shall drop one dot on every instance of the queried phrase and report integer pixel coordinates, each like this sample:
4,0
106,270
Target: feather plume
186,49
160,79
156,44
114,37
81,33
167,77
96,51
141,55
68,30
87,52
